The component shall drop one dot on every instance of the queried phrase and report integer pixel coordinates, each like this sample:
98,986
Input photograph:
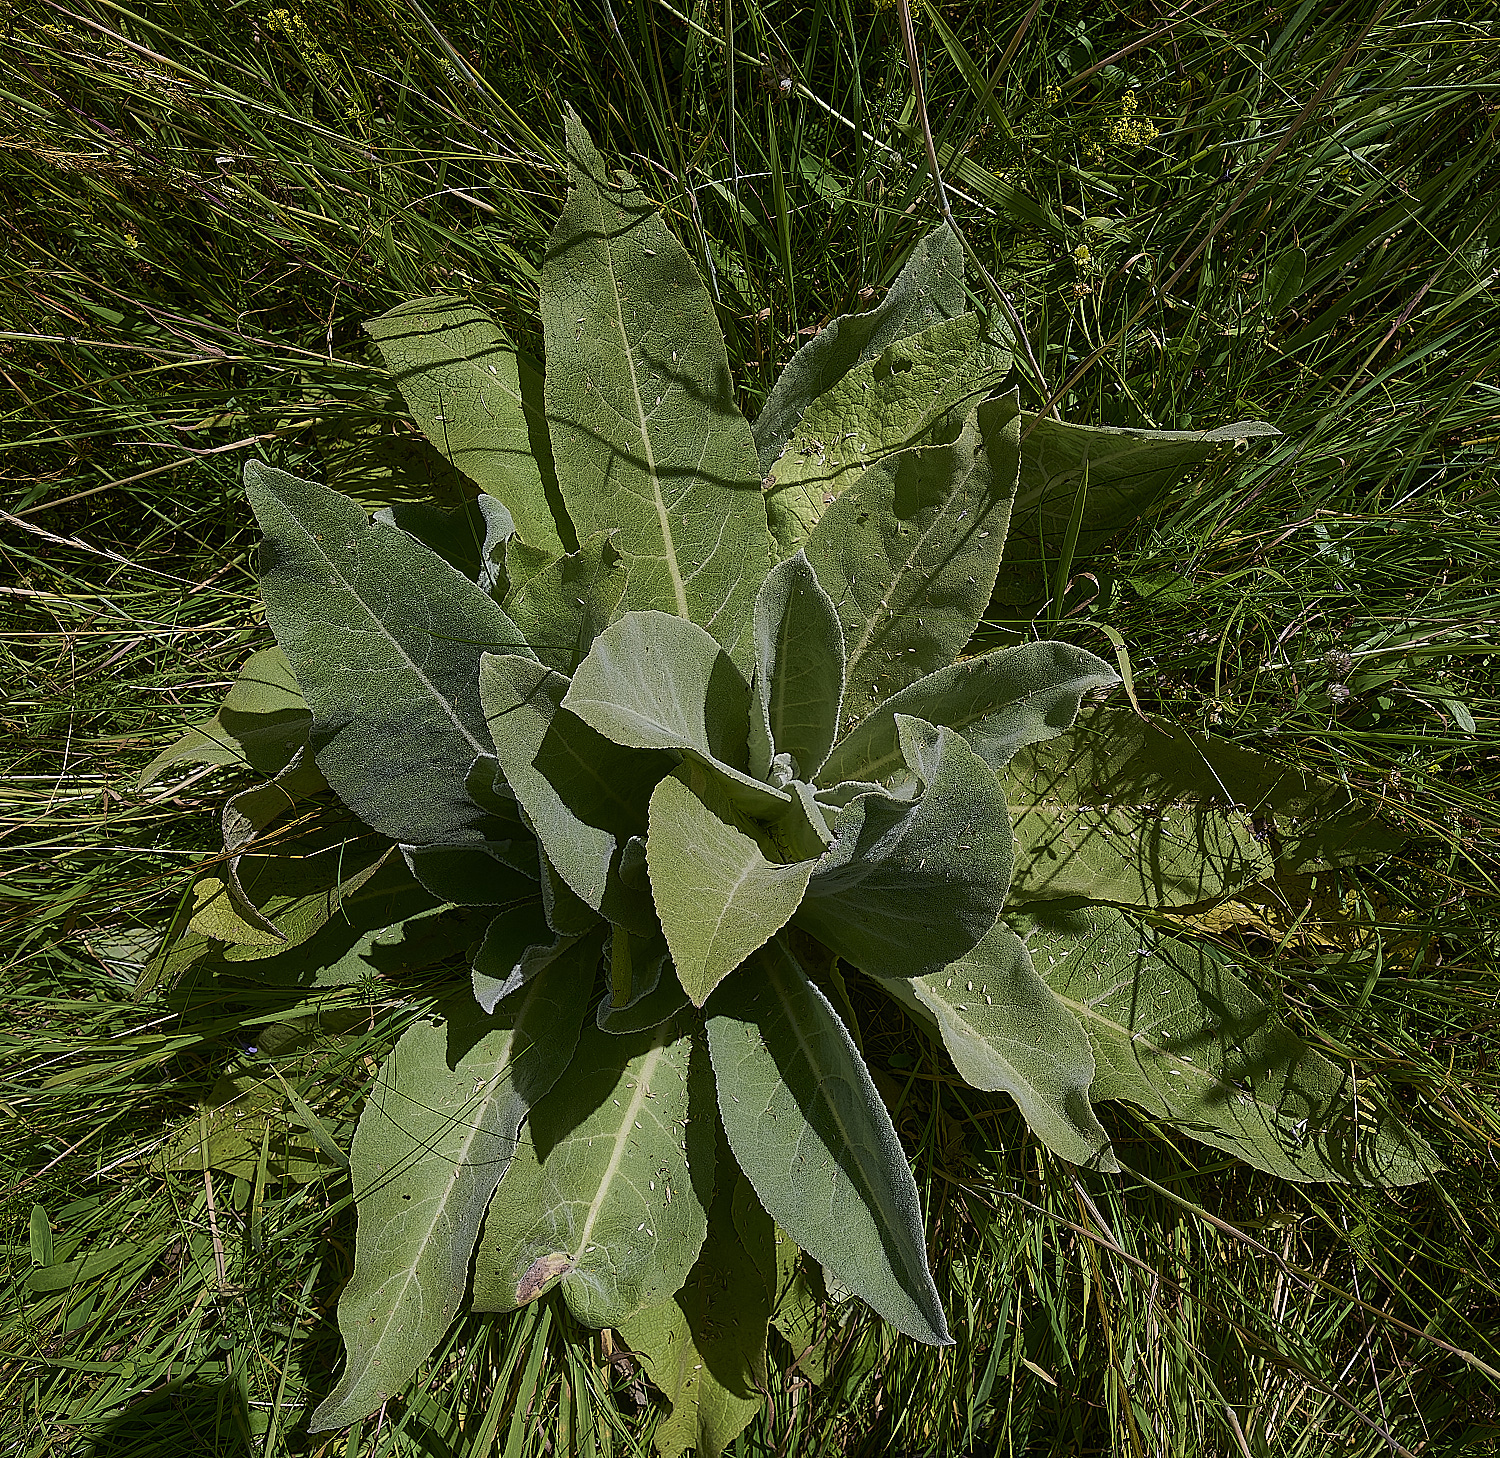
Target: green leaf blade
909,554
397,721
438,1133
648,440
611,1183
719,898
479,403
812,1136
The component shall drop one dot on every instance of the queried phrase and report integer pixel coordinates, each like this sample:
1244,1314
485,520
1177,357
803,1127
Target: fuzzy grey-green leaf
1177,1033
648,440
929,289
910,552
812,1136
881,408
437,1134
479,403
385,640
999,702
611,1182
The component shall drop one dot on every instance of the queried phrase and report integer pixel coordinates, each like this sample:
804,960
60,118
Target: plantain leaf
878,410
260,726
562,608
1006,1030
610,1186
999,702
652,681
799,673
929,288
1124,473
912,885
479,403
436,1136
648,440
385,639
706,1348
718,896
1177,1033
812,1136
1144,815
909,554
585,795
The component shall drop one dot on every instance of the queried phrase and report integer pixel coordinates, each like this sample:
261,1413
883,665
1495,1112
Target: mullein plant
673,730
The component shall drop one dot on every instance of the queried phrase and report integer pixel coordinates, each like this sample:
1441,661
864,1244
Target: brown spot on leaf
541,1273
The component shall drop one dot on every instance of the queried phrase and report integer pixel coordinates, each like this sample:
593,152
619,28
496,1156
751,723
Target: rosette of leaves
673,731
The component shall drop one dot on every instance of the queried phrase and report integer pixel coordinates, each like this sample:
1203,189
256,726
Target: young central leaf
647,437
653,681
799,671
812,1136
718,896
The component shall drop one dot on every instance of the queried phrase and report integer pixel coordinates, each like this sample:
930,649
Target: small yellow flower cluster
1129,131
297,31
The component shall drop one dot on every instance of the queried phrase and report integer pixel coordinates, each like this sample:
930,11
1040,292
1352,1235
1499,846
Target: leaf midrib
679,589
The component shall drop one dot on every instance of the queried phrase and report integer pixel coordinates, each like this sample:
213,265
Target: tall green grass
1199,214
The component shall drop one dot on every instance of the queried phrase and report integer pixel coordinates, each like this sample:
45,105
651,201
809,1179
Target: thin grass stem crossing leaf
480,404
999,702
880,409
706,1348
812,1136
1175,1032
1006,1030
718,896
385,640
909,554
929,289
584,794
653,681
1154,816
799,673
610,1187
437,1134
647,437
911,885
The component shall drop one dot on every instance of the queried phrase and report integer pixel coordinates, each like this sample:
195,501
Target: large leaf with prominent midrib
998,701
1155,816
1006,1030
1176,1032
436,1136
929,288
909,553
881,407
385,640
479,403
706,1348
718,895
611,1183
648,440
913,884
812,1136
